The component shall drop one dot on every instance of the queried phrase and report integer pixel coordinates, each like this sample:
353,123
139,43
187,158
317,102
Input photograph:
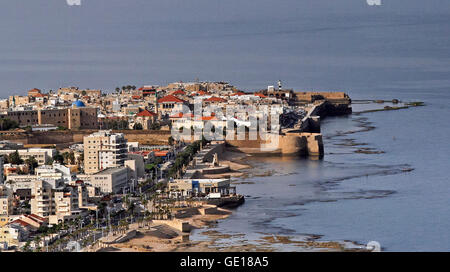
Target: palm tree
37,241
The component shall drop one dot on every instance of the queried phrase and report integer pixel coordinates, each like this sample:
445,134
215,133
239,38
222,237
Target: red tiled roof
161,153
146,89
142,153
136,96
238,93
202,93
170,98
179,92
146,113
215,99
34,90
260,95
38,217
21,222
181,115
207,118
38,95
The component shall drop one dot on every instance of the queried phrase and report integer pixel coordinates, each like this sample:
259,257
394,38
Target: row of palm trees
184,158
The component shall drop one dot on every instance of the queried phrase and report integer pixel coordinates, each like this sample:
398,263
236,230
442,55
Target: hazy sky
309,44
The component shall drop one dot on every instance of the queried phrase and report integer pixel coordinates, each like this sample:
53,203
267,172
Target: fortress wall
308,96
182,226
73,136
289,144
54,137
148,139
314,144
293,144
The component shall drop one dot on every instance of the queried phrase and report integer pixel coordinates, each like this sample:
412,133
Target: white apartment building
55,175
112,180
42,155
58,205
103,150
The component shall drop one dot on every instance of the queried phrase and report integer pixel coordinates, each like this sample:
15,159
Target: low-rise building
13,234
112,180
146,118
191,187
42,155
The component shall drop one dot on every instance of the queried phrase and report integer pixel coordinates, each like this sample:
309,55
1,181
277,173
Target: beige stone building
42,202
104,149
18,100
77,91
111,180
170,104
146,119
6,201
58,205
70,118
42,155
4,104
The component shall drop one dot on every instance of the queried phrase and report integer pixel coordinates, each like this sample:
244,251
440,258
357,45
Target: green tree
58,158
32,163
65,157
155,126
7,124
14,158
49,162
171,140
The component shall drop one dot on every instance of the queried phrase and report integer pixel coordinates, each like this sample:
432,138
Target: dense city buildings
77,157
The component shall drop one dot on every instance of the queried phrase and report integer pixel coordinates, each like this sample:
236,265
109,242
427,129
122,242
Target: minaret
156,103
279,85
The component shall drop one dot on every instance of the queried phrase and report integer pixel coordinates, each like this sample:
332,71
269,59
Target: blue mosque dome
78,104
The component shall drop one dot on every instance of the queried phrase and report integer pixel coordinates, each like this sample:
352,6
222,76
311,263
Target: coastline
242,168
362,125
